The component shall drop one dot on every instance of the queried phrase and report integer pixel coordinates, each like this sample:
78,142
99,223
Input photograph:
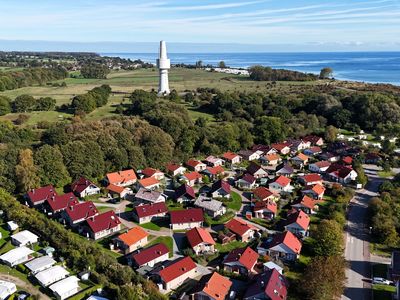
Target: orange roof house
149,183
131,240
122,178
215,286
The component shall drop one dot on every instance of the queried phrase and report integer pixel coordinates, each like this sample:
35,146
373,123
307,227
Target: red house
102,225
40,195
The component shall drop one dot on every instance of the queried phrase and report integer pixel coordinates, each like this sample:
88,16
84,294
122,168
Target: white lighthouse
164,64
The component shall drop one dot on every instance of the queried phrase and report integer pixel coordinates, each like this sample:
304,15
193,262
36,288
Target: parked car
380,280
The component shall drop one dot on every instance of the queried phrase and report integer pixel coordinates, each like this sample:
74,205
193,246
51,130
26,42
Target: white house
281,184
319,167
65,288
39,264
7,289
24,238
16,256
51,275
84,187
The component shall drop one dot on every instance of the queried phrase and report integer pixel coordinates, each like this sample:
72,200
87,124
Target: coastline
368,67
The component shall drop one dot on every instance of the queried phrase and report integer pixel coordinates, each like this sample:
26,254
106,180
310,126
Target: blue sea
374,67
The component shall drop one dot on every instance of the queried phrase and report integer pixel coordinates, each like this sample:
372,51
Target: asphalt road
357,239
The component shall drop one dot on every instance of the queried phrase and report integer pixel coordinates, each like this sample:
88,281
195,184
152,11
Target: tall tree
331,133
51,168
328,238
324,278
26,171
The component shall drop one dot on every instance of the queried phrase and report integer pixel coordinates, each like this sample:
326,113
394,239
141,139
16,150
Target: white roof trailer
51,275
65,288
16,256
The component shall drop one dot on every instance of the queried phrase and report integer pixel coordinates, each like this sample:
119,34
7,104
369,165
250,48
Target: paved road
357,235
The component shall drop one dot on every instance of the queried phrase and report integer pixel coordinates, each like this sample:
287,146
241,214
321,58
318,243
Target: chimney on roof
71,207
33,191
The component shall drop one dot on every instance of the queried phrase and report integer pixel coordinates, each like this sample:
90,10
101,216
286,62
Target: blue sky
347,24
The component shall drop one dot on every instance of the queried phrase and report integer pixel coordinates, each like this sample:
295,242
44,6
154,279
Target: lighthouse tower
164,64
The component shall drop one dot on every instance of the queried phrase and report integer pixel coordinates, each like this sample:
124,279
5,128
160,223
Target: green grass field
125,82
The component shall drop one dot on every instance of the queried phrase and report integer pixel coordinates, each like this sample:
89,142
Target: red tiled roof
57,202
178,268
311,178
221,184
299,217
280,146
190,215
198,235
316,188
312,139
283,181
115,188
149,254
151,209
133,236
316,149
81,184
103,221
238,226
185,189
193,176
229,155
173,167
149,172
307,202
272,156
217,287
246,256
289,239
82,210
269,205
302,156
322,164
249,178
148,182
40,194
121,176
215,170
193,163
262,193
347,160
